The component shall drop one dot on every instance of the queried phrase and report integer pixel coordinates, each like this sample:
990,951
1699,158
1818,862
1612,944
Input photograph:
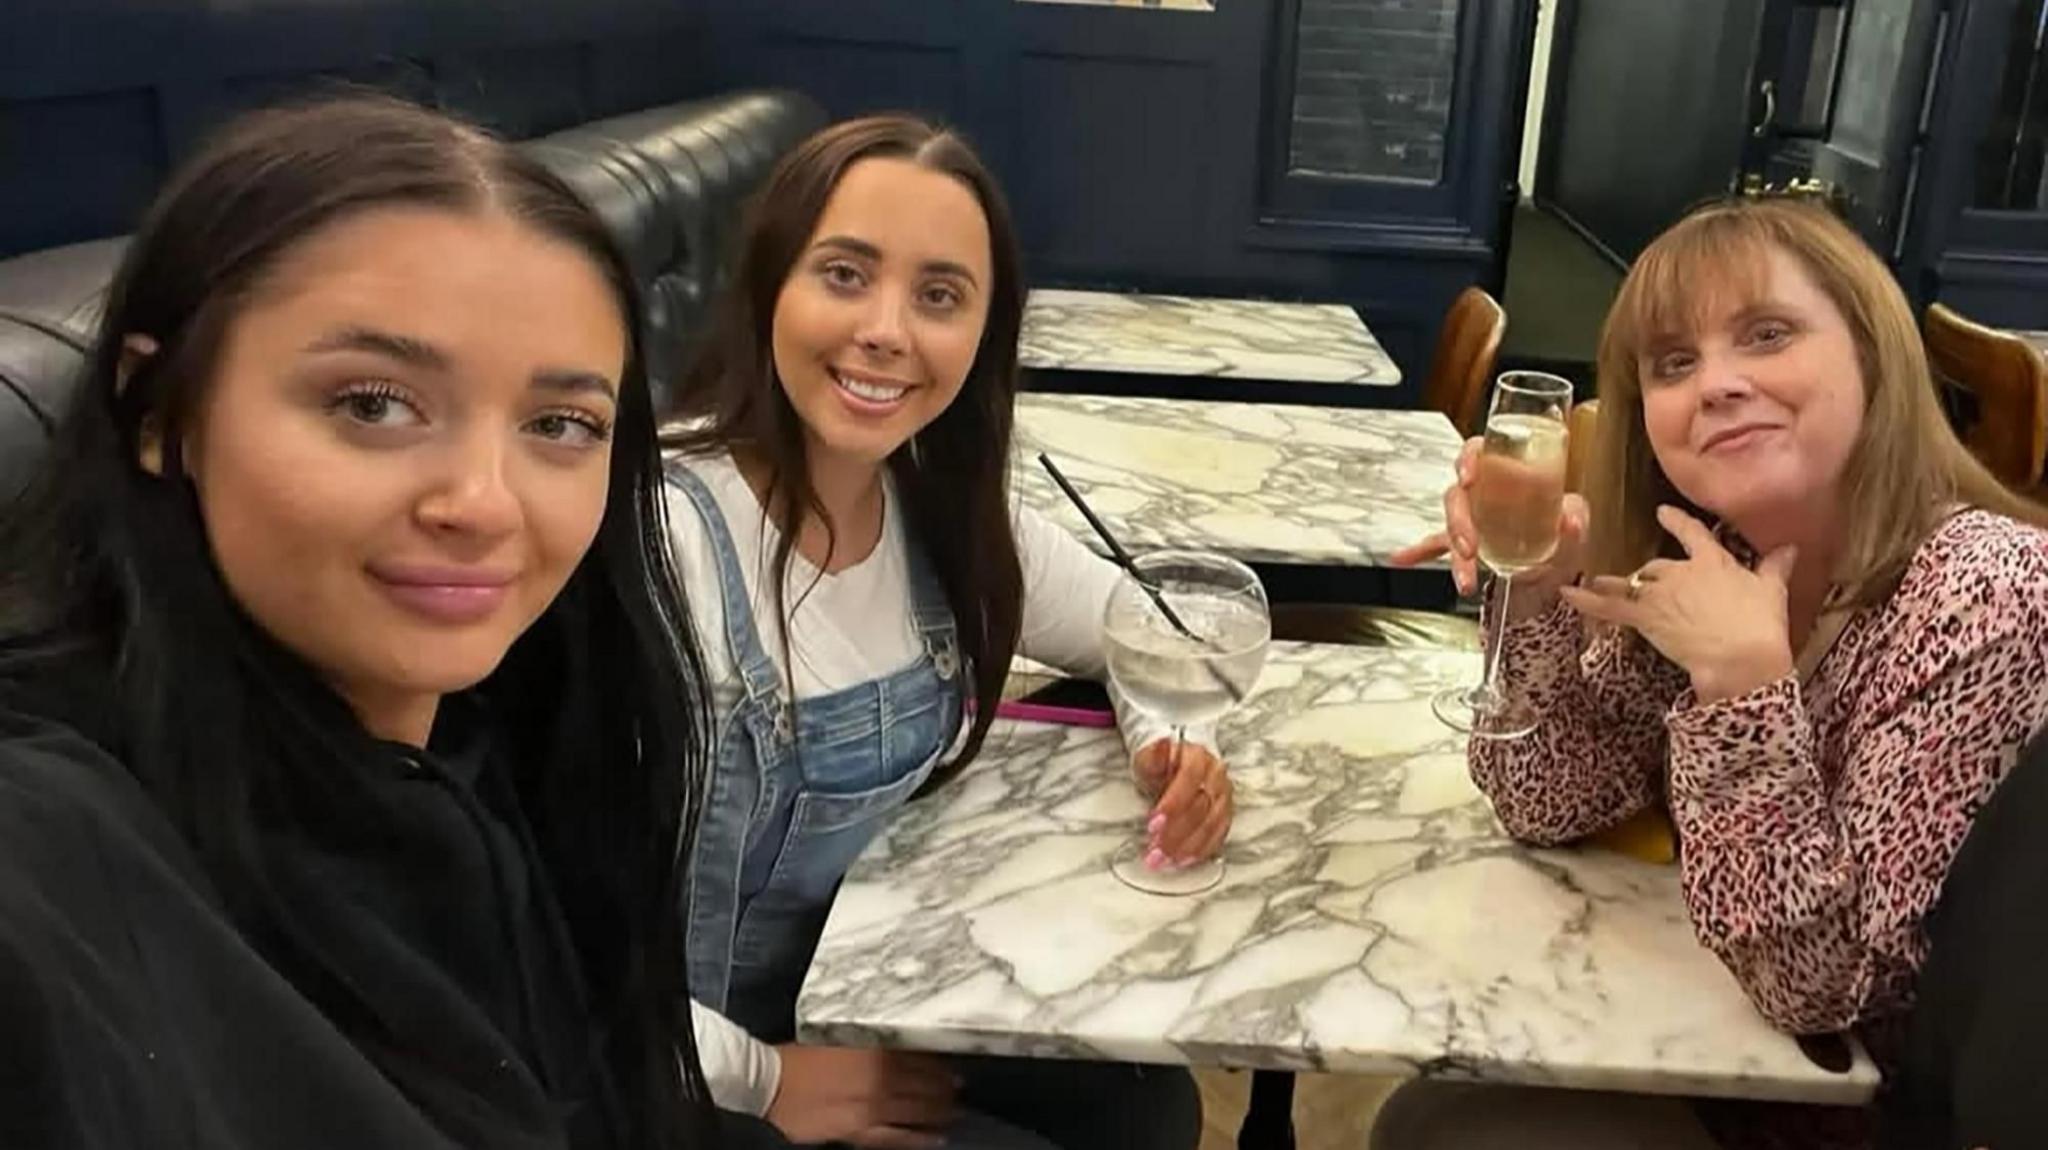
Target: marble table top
1180,335
2037,338
1259,482
1374,918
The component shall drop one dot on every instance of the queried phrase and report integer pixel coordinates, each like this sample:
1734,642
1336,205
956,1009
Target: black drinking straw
1116,550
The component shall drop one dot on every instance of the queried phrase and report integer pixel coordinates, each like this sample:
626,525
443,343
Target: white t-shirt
853,627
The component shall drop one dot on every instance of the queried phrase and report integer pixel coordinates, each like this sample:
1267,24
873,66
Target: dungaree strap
742,636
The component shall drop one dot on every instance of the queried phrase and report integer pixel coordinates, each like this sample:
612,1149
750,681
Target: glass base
1129,868
1483,714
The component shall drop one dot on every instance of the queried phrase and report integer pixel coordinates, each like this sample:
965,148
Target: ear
136,350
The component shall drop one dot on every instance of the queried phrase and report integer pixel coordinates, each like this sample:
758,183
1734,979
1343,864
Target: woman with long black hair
348,733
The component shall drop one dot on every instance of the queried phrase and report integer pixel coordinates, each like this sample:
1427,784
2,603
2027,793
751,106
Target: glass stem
1490,692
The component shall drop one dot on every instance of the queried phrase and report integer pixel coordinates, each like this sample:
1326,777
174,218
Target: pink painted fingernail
1157,824
1155,859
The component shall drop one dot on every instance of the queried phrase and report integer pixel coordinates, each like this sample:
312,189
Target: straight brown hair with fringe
1907,467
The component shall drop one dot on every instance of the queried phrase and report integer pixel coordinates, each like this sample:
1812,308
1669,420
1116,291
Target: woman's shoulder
90,867
64,799
1977,546
1982,559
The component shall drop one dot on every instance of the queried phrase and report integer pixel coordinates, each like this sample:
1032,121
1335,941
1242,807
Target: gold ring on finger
1635,583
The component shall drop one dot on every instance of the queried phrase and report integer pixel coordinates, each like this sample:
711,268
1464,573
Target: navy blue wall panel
1117,171
888,77
1138,146
72,167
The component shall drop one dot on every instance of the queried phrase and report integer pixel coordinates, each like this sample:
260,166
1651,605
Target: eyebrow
867,250
421,354
403,348
570,382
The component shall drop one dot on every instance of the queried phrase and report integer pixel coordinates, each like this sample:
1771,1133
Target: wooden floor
1331,1112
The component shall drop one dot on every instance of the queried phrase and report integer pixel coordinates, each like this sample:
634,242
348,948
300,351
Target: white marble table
1374,918
1264,483
1114,333
2037,338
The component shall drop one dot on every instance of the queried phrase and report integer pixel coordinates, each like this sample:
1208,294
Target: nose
472,496
882,330
1723,378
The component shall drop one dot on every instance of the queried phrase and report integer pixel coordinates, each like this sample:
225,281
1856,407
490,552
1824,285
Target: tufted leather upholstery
668,182
49,305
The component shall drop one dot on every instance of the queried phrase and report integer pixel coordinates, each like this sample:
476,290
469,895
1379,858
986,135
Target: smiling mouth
870,391
1739,437
448,599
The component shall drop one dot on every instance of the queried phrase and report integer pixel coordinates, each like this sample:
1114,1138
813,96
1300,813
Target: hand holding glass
1184,678
1516,497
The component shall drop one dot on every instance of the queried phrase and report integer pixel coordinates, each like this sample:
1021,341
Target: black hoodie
133,1013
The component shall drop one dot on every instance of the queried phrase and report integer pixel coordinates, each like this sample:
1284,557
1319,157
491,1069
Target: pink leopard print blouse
1816,820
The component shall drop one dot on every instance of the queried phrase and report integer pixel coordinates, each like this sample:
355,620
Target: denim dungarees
797,792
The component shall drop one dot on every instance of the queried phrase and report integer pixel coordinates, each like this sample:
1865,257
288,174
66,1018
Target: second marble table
1262,483
1248,350
1374,918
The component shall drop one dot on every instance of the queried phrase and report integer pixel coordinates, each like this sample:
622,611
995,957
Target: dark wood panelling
1652,116
890,77
1117,173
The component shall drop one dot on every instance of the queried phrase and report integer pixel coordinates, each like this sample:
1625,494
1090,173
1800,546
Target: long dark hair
115,619
952,477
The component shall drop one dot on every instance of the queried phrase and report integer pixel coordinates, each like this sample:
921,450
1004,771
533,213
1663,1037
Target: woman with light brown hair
1791,608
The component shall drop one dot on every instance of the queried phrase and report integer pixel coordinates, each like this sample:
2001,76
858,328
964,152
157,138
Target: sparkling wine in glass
1517,494
1184,677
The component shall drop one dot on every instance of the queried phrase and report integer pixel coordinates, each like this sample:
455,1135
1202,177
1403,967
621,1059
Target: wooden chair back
1466,349
1585,423
2006,381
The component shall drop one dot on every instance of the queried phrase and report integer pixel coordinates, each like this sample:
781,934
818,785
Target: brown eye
1770,335
570,428
375,404
841,276
1671,365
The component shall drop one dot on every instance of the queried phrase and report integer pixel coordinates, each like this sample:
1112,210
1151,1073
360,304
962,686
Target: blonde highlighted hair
1906,468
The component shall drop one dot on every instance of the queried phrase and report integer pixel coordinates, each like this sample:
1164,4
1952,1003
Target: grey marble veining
2037,338
1374,918
1179,335
1259,482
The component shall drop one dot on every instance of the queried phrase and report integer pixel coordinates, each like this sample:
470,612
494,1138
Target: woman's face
878,323
1754,415
404,450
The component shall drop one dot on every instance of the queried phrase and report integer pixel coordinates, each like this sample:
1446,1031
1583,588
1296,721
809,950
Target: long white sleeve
743,1072
1066,588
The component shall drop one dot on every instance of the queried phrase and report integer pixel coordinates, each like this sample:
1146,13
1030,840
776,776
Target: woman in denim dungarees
858,577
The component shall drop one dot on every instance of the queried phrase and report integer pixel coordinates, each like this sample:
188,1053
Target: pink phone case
1067,716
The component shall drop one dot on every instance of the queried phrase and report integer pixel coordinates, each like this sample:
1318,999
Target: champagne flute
1517,493
1192,671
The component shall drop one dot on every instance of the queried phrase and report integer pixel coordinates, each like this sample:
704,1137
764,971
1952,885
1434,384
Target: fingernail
1157,824
1155,859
